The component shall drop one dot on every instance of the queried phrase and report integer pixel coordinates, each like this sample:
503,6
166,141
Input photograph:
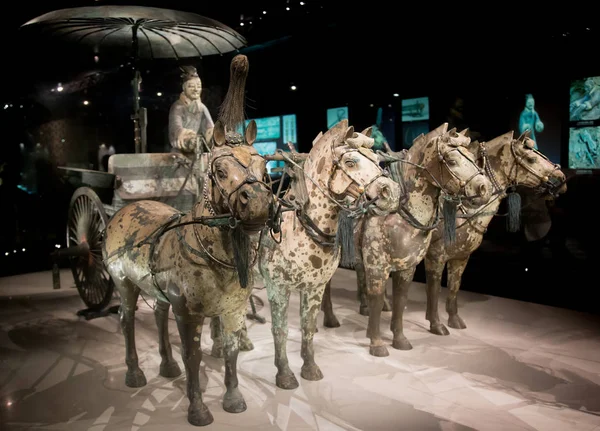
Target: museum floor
518,366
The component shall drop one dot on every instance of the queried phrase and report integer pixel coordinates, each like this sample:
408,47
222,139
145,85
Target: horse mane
297,187
397,168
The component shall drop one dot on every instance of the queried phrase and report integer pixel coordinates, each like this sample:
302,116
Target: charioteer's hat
187,73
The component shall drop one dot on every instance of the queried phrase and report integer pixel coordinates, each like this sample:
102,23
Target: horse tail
231,112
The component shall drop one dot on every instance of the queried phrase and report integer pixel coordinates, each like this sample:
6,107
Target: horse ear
219,133
319,136
348,134
473,148
251,132
524,135
368,131
465,132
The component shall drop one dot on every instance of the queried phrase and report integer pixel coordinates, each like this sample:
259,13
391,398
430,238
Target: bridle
547,185
233,141
462,193
357,189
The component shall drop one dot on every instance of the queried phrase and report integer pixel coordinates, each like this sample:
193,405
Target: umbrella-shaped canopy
138,31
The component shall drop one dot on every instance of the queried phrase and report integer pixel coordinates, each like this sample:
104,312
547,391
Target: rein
220,221
500,192
444,195
353,212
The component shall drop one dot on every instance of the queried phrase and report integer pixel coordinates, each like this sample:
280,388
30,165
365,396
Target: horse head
236,178
533,169
451,166
357,177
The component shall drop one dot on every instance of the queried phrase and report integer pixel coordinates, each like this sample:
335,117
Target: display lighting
293,87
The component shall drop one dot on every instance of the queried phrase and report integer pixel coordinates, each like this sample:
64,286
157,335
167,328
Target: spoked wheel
86,224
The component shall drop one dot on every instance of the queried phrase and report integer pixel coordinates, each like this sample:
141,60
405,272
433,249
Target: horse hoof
217,350
364,310
311,372
402,344
199,416
135,378
287,381
331,322
169,369
233,402
439,329
456,322
379,351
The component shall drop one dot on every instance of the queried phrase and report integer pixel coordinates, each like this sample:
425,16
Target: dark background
336,54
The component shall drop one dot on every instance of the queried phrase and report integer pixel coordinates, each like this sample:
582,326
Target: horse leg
129,292
279,301
401,281
375,288
216,332
386,302
309,310
329,319
362,289
233,401
245,341
456,267
190,331
168,366
434,269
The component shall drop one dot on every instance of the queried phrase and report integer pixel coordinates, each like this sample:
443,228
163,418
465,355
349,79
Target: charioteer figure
189,118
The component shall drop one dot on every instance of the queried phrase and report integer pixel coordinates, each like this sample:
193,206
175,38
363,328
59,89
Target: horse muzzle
384,195
478,192
252,206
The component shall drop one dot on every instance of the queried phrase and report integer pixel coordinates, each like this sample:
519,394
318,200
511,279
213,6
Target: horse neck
502,165
319,207
217,241
423,196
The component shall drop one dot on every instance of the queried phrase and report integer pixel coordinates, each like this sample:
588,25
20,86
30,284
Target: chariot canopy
136,33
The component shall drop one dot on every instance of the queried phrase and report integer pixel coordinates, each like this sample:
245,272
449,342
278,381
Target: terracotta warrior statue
189,117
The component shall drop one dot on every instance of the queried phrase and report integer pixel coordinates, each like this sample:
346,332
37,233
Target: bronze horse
508,162
199,262
436,169
340,170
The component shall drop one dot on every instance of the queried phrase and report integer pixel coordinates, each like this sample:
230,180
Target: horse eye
531,159
452,162
221,174
350,163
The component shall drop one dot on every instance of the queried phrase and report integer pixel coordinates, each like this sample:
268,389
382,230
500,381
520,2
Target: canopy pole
139,114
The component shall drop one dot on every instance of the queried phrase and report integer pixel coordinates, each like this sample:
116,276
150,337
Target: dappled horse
340,170
185,261
509,163
197,262
436,169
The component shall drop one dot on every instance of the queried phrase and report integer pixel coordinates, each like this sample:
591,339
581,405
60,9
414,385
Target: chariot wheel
86,224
